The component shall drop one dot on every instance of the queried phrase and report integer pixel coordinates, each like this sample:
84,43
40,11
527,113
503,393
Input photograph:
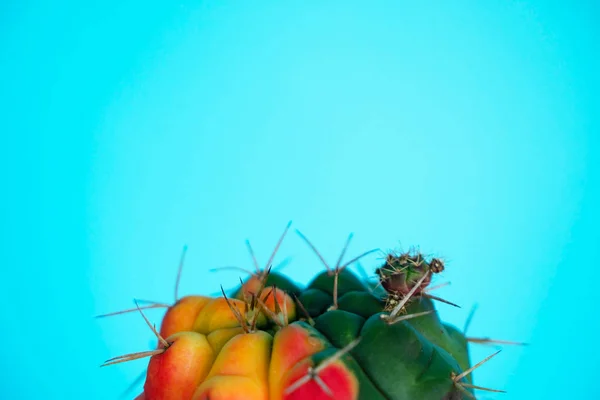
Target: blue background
132,128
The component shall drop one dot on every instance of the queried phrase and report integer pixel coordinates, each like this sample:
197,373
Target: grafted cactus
340,337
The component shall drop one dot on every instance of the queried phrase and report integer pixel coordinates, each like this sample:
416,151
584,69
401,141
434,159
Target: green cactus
339,337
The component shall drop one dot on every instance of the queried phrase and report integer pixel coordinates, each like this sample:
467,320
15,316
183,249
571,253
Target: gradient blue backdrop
131,128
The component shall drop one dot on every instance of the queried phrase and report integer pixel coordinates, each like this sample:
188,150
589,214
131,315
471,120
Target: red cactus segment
176,373
292,344
335,381
182,315
230,388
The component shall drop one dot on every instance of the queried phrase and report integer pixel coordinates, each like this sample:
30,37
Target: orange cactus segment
335,381
251,286
248,355
220,337
284,302
217,314
176,373
292,344
182,315
230,388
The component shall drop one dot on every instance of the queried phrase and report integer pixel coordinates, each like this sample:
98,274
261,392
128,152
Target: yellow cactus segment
245,355
182,315
230,388
220,337
218,315
291,344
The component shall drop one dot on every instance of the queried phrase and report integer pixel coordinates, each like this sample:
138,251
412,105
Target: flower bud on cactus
400,273
340,337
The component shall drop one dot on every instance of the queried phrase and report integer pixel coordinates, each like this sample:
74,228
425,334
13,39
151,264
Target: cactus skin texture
340,337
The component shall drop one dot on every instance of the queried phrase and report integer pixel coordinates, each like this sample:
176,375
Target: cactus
340,337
